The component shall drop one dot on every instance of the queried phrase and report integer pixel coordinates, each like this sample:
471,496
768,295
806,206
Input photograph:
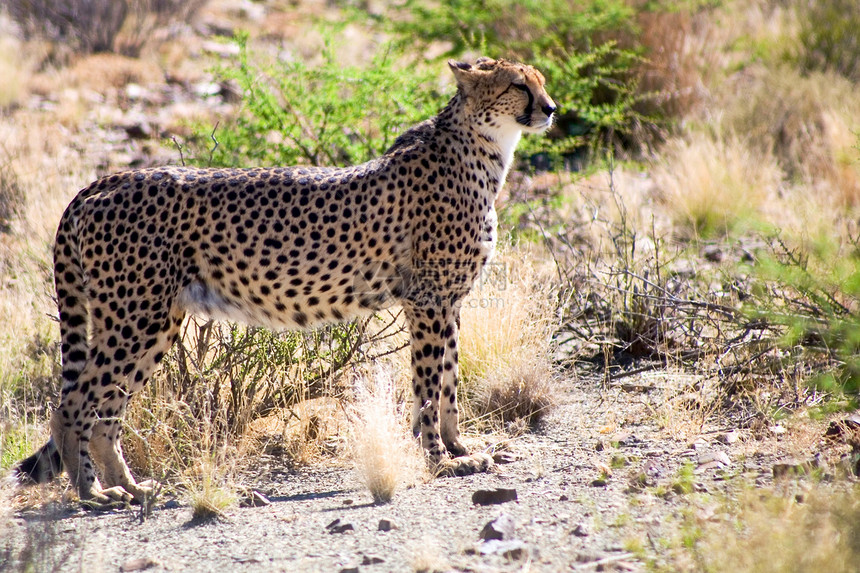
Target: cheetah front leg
434,341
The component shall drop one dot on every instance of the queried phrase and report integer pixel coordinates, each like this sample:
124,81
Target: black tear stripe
526,118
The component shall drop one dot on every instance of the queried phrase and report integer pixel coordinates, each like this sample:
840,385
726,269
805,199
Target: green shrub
327,114
587,74
811,296
830,36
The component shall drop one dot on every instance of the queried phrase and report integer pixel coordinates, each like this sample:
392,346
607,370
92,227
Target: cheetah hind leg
105,445
116,476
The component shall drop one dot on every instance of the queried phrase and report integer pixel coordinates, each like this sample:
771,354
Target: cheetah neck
499,141
501,144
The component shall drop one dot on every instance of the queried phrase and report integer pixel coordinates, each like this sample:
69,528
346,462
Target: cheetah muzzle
284,248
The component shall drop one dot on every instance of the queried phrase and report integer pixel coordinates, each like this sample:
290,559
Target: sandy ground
568,514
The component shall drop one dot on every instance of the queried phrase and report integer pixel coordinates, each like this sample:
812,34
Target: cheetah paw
144,492
464,465
107,499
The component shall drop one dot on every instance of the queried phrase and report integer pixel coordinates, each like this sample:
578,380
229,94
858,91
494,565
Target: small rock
713,253
513,549
581,530
711,460
777,430
729,437
349,570
500,528
221,49
138,130
255,499
797,469
563,497
599,446
135,91
494,496
139,564
628,441
348,501
372,560
337,527
170,504
599,482
387,524
698,444
207,89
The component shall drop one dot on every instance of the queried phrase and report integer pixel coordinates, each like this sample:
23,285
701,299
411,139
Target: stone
494,496
386,524
513,549
337,527
729,437
500,528
255,499
712,460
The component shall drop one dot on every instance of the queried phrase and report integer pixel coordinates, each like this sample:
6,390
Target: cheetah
285,248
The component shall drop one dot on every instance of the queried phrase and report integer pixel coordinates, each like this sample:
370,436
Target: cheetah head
504,96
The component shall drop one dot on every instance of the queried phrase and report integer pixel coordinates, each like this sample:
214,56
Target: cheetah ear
465,75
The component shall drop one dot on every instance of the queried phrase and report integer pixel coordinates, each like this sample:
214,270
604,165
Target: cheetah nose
549,109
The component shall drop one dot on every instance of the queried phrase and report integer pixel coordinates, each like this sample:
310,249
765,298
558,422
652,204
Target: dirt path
565,517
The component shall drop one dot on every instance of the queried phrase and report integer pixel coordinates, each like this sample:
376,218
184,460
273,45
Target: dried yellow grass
386,456
768,532
506,325
211,491
713,184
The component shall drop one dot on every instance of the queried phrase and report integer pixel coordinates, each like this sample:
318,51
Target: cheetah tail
41,467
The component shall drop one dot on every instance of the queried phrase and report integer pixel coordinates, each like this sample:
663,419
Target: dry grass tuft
12,198
13,71
522,391
805,121
767,532
712,185
210,490
386,456
427,558
506,344
101,72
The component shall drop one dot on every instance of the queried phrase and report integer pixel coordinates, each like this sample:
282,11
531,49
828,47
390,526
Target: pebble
494,496
729,437
337,527
500,528
513,549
